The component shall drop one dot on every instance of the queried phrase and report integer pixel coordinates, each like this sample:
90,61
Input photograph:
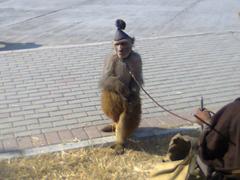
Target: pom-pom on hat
120,34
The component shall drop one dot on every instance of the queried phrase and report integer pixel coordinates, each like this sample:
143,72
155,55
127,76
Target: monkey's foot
118,148
109,128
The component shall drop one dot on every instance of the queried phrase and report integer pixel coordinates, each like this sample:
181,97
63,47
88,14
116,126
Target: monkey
120,94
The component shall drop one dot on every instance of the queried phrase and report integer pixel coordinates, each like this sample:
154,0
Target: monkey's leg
122,131
112,106
129,120
124,128
120,134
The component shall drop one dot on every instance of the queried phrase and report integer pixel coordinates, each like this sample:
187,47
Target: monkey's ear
120,24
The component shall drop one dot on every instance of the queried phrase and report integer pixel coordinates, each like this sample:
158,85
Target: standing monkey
120,98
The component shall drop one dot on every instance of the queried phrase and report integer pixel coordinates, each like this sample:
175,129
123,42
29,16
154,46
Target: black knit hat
120,34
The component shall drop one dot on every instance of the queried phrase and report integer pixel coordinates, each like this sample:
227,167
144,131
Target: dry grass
89,163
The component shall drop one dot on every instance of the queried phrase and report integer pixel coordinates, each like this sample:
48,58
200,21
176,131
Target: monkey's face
123,48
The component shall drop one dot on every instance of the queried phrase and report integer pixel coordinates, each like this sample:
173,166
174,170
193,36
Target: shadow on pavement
5,46
11,151
145,140
154,140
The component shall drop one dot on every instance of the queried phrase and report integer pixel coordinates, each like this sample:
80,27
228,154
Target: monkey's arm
114,84
138,75
109,80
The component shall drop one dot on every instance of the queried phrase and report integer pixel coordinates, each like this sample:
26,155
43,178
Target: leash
162,107
174,114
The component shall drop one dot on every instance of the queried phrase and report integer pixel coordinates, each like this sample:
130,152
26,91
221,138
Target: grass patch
89,163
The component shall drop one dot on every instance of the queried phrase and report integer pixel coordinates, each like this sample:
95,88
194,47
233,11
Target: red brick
92,132
65,135
10,144
104,134
24,142
39,140
144,123
188,116
175,121
1,147
154,123
79,133
169,120
52,138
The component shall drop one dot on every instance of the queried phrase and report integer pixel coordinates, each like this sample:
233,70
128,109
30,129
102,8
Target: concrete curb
97,142
109,42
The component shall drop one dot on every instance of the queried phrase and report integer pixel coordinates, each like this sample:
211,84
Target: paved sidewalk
50,96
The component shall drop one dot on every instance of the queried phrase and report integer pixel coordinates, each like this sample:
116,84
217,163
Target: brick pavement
50,96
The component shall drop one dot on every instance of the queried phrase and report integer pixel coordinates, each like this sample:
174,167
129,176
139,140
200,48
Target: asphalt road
31,24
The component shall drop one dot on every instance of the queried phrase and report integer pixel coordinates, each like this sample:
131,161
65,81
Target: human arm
203,118
214,142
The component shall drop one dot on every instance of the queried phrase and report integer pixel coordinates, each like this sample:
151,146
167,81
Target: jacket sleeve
212,144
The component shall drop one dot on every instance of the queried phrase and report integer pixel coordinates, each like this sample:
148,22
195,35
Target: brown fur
125,115
120,94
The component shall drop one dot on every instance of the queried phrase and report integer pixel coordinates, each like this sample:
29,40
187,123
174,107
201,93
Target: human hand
203,115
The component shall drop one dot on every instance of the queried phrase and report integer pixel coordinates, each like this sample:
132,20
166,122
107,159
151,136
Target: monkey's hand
114,84
123,90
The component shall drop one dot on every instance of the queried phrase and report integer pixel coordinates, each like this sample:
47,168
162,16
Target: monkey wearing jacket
120,98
